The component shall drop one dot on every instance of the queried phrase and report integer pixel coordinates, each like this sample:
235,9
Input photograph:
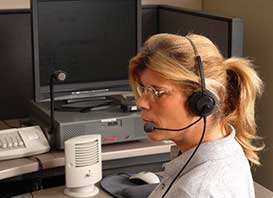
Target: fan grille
87,153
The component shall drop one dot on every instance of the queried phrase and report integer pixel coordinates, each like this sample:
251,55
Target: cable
167,129
200,65
21,123
8,125
38,183
195,150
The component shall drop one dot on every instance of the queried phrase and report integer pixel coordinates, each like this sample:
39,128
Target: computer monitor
225,32
91,40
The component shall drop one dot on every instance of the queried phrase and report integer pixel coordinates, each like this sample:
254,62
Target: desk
122,157
113,152
15,167
57,192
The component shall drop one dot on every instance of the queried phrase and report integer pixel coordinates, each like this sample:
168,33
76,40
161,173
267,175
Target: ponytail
243,85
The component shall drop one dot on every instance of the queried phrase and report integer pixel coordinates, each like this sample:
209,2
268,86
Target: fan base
87,191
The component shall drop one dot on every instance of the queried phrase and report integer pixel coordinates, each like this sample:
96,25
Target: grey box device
113,124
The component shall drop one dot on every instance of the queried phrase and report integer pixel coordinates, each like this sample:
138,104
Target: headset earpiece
202,103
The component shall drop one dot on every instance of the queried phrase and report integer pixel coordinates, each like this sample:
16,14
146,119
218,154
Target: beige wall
12,4
258,44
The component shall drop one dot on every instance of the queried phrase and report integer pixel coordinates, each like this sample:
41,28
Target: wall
11,4
258,45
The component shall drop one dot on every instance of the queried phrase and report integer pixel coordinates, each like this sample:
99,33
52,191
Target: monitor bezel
66,91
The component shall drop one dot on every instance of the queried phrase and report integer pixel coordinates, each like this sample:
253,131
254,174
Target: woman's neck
192,136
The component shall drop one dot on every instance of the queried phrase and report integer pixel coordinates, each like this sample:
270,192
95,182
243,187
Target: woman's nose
142,102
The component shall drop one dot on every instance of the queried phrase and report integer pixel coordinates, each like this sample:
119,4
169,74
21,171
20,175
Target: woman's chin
156,136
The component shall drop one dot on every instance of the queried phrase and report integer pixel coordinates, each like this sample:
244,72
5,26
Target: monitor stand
85,105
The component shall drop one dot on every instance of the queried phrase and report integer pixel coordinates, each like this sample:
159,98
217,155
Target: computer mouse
145,177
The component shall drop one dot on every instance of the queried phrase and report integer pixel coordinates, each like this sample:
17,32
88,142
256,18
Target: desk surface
15,167
57,192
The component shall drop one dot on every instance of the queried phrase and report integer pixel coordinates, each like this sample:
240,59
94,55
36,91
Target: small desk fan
82,165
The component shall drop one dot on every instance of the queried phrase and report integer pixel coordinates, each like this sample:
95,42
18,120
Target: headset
201,103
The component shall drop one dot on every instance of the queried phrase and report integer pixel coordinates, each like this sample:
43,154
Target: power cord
21,123
195,150
38,185
9,125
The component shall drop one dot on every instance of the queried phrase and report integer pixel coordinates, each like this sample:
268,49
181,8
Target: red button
109,138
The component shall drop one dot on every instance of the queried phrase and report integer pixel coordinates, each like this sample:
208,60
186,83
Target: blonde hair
233,81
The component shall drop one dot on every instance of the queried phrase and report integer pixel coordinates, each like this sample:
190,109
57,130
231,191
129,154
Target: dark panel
218,30
16,85
225,32
149,21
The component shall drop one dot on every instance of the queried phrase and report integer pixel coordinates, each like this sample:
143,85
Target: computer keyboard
21,142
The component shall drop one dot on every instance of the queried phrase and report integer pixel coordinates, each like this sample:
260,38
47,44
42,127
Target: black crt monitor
91,40
225,32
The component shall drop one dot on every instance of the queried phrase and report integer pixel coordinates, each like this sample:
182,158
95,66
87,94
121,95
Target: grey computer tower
113,124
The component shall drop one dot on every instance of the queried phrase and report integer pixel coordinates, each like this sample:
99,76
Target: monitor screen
91,40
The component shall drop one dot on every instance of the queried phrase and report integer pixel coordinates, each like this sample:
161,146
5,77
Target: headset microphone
150,127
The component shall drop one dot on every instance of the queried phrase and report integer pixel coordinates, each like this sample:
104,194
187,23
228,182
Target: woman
216,152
